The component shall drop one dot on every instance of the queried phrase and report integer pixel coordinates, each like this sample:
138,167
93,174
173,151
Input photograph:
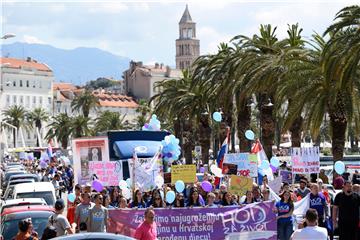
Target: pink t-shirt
146,231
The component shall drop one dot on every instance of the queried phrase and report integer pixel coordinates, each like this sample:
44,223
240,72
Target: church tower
187,46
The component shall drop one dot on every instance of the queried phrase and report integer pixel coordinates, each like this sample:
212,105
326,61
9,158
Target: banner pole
133,173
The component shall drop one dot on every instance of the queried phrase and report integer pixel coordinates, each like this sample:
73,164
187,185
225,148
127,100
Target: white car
21,202
8,194
36,190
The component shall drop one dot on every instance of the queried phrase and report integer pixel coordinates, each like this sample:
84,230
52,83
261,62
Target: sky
146,30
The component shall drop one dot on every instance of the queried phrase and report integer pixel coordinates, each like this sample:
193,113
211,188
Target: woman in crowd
211,200
218,197
249,197
157,201
227,200
265,194
72,205
123,202
284,209
138,201
194,200
114,197
179,200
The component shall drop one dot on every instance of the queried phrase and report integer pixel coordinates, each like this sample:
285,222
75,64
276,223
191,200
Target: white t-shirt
314,233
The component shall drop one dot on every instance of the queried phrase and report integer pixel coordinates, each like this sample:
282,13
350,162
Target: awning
144,148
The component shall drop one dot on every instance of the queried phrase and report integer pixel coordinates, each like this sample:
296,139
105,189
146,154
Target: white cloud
142,7
32,39
57,7
108,7
210,39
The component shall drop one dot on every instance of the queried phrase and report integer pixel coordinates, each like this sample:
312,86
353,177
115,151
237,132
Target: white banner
305,160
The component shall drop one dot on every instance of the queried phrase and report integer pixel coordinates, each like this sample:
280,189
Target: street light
8,35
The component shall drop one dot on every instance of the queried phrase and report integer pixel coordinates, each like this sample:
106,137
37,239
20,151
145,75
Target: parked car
25,176
94,236
8,194
8,174
36,190
11,216
21,202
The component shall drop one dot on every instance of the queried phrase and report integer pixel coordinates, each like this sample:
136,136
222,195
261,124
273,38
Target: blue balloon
170,197
250,135
217,117
265,164
179,186
71,197
339,167
275,161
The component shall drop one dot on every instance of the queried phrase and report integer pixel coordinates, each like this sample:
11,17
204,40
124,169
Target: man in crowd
346,213
302,191
147,229
82,210
356,177
311,231
318,202
59,221
98,216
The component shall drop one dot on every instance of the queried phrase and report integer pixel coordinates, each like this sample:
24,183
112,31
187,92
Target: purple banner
252,221
286,176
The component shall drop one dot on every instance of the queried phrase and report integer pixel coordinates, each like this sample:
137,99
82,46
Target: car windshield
10,228
48,196
7,175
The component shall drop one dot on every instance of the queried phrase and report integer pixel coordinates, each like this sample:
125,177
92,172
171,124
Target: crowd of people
89,211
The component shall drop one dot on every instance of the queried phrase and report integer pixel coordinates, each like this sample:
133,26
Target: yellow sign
240,184
186,173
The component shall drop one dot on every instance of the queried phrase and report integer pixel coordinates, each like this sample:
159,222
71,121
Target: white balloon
159,181
123,184
126,193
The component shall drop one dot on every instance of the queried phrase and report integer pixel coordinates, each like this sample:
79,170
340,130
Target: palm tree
60,127
80,126
85,102
36,117
143,110
109,121
15,115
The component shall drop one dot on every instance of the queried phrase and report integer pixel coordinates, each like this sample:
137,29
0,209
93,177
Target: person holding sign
284,208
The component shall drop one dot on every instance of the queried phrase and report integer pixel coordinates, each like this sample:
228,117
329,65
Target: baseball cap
59,204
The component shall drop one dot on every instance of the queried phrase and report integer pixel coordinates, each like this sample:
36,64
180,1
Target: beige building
140,79
187,46
25,83
112,101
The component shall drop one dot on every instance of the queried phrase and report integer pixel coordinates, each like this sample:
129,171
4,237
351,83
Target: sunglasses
157,198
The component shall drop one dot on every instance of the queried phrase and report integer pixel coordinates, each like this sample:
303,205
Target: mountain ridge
78,65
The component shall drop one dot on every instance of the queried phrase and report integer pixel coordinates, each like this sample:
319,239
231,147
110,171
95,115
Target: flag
261,156
49,149
223,150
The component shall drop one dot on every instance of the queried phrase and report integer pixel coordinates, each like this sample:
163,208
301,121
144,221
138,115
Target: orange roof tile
126,104
63,86
18,63
109,99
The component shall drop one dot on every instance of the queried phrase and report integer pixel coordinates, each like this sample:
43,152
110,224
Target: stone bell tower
187,46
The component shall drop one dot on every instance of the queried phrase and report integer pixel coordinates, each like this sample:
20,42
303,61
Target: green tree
81,126
60,127
143,111
85,102
36,118
109,121
16,116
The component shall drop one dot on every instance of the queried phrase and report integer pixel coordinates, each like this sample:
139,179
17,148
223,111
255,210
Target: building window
34,100
40,101
27,83
21,100
49,85
27,101
21,83
14,100
40,84
14,83
34,84
7,100
49,101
